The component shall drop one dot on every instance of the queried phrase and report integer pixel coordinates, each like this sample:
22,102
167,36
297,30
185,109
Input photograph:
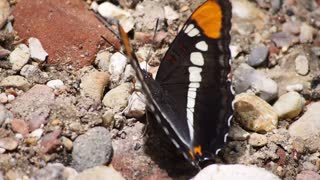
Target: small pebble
294,87
117,98
93,84
67,143
99,172
11,97
36,50
258,55
36,134
20,126
50,141
302,65
170,14
283,39
55,122
8,143
136,105
3,98
55,84
2,150
19,57
16,81
257,140
103,60
306,33
289,105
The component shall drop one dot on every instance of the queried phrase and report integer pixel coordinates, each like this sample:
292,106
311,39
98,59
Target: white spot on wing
202,45
175,143
196,58
229,120
195,75
193,32
225,137
192,94
189,28
190,122
191,102
217,151
193,86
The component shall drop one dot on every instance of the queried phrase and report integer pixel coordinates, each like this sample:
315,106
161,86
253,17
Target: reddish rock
50,141
282,157
308,175
40,98
20,126
67,30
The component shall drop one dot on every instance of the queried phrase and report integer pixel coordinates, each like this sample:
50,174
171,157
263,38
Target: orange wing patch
209,18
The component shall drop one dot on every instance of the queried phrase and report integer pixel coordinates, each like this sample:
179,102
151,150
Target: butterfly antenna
106,24
152,43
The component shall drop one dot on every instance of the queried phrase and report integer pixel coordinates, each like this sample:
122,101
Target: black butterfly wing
194,74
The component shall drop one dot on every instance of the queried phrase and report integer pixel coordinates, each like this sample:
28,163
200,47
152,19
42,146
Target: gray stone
302,65
258,55
283,39
34,74
54,171
16,81
246,77
289,105
92,149
36,50
4,114
19,57
136,105
103,60
307,127
117,98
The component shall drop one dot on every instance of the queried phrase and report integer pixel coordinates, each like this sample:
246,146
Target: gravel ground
70,107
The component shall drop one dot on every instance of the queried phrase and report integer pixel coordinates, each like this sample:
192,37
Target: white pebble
294,87
19,136
36,50
36,133
11,97
55,84
117,63
2,150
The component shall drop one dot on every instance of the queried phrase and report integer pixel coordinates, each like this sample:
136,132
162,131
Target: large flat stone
67,30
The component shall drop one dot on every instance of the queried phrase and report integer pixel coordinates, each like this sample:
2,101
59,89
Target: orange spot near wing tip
209,18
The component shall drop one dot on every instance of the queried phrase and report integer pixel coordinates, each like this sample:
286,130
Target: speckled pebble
254,113
257,140
91,149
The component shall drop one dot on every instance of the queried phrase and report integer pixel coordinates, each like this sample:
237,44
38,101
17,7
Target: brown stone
20,126
67,30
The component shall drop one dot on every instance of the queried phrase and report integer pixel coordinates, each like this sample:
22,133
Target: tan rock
254,113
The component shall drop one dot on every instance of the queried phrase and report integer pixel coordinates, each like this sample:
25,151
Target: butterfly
191,96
